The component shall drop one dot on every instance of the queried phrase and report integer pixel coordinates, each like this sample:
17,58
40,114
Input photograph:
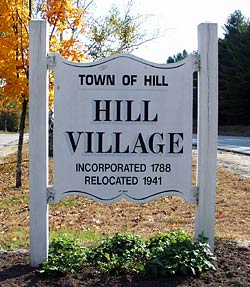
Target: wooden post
38,130
207,131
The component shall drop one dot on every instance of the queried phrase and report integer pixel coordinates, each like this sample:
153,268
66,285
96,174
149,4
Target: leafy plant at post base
66,255
163,255
120,254
175,253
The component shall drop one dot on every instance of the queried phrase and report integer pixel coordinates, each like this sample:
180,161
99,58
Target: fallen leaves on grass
81,214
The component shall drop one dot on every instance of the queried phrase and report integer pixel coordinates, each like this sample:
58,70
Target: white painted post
207,131
38,118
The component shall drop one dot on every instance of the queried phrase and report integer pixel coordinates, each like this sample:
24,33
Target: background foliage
234,71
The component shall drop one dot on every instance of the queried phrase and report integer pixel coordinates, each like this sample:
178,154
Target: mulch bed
232,264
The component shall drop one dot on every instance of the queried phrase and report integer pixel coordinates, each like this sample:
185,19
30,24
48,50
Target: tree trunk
20,144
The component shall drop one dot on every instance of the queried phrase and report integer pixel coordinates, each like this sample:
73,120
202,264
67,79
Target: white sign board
123,129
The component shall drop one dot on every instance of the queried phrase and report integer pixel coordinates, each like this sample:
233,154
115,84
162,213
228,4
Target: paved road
230,143
236,144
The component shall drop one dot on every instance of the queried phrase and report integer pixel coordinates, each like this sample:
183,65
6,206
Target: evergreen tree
178,57
234,71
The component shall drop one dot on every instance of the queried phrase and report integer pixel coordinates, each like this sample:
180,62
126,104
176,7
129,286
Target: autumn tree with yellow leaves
63,16
70,34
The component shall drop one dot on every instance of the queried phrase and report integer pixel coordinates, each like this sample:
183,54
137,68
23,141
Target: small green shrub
66,255
176,253
120,254
163,255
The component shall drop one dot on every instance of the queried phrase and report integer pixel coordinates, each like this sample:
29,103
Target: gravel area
233,162
236,163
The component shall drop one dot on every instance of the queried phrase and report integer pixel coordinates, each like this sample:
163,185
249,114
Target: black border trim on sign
131,57
123,194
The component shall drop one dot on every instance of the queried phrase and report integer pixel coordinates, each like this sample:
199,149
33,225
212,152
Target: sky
177,21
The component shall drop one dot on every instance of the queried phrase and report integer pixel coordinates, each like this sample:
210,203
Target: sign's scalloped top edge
134,58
